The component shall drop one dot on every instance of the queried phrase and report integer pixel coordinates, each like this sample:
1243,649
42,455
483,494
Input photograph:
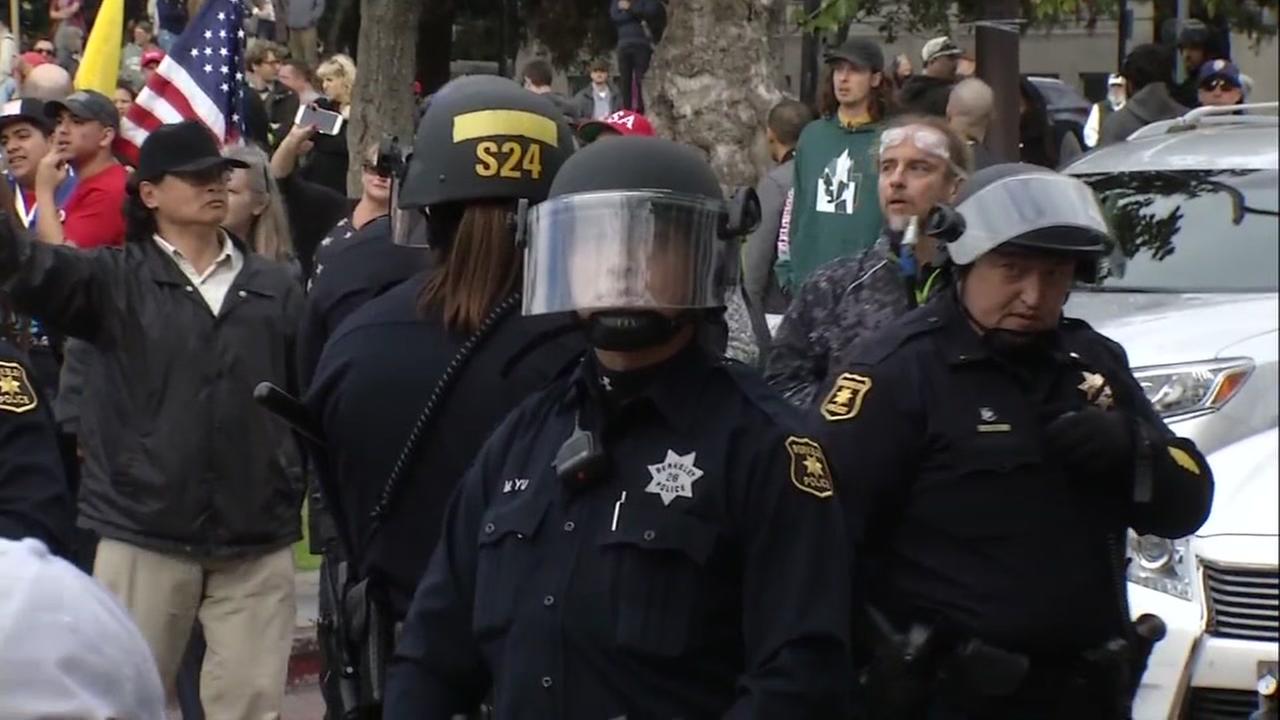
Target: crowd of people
531,468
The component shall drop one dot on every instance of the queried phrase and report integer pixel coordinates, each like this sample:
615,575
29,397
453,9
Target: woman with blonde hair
255,207
327,162
338,80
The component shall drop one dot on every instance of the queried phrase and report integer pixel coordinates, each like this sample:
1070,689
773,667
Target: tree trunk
435,45
383,101
714,80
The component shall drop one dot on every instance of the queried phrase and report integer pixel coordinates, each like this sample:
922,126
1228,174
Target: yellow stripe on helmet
490,123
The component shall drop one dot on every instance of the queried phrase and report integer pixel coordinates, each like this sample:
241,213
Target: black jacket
962,512
34,497
178,457
926,95
376,373
700,573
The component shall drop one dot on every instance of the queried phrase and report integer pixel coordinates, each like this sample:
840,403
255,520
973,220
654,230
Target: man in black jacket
927,93
639,25
194,489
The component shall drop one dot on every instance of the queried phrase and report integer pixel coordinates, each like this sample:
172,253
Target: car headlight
1197,388
1160,564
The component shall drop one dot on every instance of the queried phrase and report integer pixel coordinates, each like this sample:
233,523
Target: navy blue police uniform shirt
35,500
703,573
370,385
961,515
352,266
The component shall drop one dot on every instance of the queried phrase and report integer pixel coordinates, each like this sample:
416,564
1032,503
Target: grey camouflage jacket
843,302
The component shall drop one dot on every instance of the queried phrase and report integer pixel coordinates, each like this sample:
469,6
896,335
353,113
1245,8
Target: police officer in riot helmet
651,536
409,386
995,453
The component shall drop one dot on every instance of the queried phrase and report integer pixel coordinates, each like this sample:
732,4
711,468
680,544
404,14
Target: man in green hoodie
835,210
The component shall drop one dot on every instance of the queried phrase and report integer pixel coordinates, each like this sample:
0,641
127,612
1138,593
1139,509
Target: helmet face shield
627,250
1024,206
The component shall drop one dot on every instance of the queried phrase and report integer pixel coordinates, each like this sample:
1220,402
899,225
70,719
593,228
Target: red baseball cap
33,58
622,122
152,57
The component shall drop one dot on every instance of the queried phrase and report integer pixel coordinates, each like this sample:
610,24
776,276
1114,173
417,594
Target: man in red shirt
87,125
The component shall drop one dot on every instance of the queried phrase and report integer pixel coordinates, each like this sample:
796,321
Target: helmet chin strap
1003,342
630,330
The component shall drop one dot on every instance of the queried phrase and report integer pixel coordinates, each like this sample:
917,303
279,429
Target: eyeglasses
927,139
1219,85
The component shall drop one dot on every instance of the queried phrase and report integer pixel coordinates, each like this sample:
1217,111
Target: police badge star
1096,390
844,401
16,392
809,469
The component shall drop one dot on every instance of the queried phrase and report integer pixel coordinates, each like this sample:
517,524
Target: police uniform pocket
985,487
505,560
658,562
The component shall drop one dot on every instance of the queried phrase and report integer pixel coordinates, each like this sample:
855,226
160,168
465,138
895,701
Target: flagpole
13,21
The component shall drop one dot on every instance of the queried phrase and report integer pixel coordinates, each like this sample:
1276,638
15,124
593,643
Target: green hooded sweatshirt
836,207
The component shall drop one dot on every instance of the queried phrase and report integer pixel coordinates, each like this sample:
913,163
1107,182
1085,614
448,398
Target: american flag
201,78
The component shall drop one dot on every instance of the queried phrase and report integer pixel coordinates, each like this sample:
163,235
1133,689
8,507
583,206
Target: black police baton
290,409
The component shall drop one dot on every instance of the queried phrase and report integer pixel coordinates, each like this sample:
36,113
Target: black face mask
628,330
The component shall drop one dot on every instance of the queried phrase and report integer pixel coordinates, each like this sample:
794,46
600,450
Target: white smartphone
325,121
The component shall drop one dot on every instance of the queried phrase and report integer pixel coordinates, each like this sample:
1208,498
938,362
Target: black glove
1092,442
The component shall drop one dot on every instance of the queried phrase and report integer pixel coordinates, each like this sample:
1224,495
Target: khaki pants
247,609
302,46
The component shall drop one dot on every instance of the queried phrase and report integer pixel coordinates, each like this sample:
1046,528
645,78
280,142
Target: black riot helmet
1030,207
637,238
481,138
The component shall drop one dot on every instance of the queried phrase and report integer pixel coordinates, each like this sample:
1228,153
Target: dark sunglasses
382,172
1219,85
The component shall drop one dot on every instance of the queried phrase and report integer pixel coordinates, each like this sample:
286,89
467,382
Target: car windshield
1190,230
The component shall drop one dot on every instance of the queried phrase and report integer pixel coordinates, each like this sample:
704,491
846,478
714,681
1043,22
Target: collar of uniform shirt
674,390
230,254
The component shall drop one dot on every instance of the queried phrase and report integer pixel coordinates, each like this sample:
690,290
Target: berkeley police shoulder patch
844,401
16,393
809,470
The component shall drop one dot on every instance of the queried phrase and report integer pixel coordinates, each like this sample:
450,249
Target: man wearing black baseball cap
86,125
195,491
834,209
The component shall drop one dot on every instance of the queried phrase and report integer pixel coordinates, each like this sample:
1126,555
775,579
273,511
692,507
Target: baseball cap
28,110
622,122
183,147
1224,69
85,105
68,649
33,58
152,57
939,47
862,52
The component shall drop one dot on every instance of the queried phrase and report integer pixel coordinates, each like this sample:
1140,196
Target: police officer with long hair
652,535
408,388
994,454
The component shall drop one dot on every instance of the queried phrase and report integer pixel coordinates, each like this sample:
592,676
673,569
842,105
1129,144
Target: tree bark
435,45
714,80
383,99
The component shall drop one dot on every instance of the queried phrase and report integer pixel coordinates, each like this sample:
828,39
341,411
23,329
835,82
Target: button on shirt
215,281
694,578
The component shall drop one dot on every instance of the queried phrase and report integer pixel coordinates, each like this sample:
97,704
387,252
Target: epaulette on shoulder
890,338
761,395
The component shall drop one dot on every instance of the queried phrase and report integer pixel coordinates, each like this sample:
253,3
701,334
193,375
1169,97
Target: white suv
1191,293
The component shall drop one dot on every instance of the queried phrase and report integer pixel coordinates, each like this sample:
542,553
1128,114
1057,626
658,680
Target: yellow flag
100,63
